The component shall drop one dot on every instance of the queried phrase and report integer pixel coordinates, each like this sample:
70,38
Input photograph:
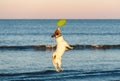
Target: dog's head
57,33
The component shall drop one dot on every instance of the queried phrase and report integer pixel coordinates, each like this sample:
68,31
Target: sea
23,64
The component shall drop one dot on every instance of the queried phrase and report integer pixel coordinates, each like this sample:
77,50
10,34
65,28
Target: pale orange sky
55,9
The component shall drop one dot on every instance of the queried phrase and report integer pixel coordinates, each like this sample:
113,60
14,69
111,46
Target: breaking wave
52,47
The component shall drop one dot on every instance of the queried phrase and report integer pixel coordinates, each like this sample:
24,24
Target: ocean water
38,32
78,64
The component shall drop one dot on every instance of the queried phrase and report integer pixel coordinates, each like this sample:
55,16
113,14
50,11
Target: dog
62,46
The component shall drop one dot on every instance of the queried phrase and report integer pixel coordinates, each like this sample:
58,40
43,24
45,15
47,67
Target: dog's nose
53,36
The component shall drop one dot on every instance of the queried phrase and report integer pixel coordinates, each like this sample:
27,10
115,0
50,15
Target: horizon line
60,18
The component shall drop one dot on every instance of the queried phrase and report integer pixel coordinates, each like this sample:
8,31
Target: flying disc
61,22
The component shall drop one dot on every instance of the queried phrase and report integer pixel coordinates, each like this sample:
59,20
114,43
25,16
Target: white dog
62,45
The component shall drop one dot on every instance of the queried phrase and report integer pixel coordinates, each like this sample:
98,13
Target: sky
55,9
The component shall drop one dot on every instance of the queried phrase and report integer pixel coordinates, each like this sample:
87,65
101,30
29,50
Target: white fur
62,45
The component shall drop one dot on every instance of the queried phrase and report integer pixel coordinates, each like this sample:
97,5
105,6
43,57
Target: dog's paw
57,70
68,47
71,47
60,69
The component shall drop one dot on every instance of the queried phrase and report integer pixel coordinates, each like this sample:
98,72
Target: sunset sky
54,9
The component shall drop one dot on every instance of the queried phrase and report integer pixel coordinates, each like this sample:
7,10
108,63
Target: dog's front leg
68,47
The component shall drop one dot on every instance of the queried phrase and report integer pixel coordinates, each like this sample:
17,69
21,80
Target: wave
66,74
53,47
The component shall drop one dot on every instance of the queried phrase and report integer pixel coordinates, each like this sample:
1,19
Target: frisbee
61,22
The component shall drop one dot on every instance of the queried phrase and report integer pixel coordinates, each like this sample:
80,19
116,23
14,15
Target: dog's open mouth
57,33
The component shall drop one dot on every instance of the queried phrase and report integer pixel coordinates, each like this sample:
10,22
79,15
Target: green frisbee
61,22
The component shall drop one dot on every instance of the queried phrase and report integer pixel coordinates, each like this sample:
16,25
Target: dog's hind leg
55,63
60,65
57,66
